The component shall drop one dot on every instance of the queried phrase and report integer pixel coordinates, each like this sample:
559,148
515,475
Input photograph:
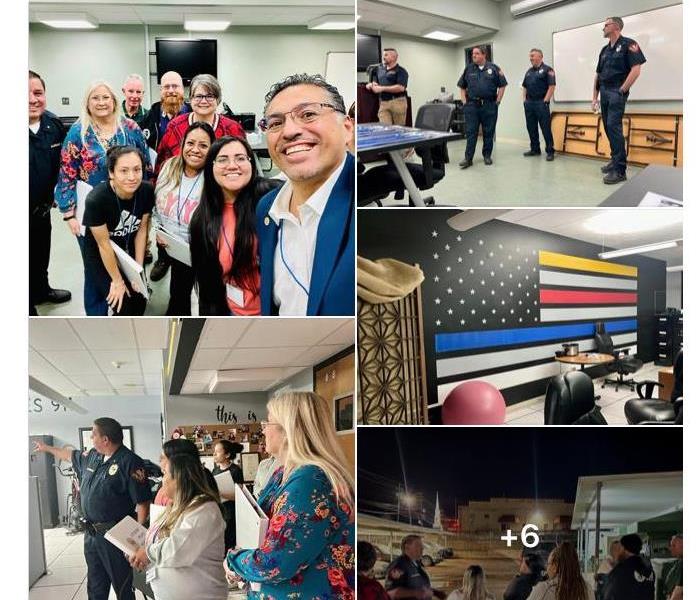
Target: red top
370,589
251,302
161,499
172,138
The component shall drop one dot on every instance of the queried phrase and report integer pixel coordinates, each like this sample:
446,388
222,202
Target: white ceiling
172,12
570,223
76,357
395,19
258,354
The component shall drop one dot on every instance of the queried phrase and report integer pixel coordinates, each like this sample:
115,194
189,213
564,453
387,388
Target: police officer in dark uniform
405,576
619,65
113,484
46,134
390,81
482,85
538,88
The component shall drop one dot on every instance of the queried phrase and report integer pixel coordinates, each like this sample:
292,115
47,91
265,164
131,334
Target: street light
409,500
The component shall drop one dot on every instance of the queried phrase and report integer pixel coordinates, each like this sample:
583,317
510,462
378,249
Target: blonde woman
84,158
473,586
182,556
308,550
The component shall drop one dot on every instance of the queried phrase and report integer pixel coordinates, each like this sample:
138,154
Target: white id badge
151,574
234,294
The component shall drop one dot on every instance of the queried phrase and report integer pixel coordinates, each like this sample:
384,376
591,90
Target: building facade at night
500,514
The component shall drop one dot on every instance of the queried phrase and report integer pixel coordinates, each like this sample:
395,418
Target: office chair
378,182
647,410
570,400
623,363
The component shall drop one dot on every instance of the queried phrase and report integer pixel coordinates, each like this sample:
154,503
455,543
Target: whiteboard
659,34
340,72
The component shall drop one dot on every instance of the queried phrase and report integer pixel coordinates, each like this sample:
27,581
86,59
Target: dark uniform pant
612,107
181,283
39,254
484,115
537,114
94,302
106,565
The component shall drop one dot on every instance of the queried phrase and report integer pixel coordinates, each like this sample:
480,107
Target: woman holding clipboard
178,192
225,453
223,241
118,210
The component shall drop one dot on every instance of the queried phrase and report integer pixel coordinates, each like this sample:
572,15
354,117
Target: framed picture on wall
85,434
344,412
249,465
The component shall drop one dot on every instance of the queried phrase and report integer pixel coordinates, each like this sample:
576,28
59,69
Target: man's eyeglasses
201,97
237,159
302,114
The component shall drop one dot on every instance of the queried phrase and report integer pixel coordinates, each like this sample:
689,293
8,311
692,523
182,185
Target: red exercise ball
474,403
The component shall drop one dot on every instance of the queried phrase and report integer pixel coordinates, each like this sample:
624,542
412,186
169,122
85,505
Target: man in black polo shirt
619,65
390,82
538,88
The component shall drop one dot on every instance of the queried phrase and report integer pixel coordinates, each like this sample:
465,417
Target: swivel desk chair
622,365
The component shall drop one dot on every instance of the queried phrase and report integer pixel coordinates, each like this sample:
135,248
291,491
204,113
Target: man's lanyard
181,205
284,261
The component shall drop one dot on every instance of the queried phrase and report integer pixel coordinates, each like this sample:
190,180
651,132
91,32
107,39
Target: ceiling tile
72,362
105,334
53,334
222,333
208,358
277,333
125,379
345,334
200,376
128,359
151,361
152,333
320,353
251,358
90,381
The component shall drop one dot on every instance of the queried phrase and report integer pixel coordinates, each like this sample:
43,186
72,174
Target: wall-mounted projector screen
658,32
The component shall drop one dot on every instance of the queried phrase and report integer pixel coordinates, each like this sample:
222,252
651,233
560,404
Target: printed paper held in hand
82,189
176,249
225,483
127,535
132,270
251,521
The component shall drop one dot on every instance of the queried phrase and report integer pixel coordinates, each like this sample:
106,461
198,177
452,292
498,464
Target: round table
586,359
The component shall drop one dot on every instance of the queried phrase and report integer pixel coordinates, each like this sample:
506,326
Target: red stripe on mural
586,297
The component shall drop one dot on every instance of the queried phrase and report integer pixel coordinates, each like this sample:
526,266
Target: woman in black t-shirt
118,210
224,454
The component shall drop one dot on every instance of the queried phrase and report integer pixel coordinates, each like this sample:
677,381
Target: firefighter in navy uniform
619,65
46,134
482,86
405,577
113,484
538,88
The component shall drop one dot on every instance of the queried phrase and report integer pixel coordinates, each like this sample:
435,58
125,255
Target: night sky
477,463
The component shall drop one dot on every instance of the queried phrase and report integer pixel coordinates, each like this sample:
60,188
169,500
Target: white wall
250,59
202,409
301,382
674,289
141,412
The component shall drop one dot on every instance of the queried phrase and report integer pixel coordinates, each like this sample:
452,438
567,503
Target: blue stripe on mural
472,340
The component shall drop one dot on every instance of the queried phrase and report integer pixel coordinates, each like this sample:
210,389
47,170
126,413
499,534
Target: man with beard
172,103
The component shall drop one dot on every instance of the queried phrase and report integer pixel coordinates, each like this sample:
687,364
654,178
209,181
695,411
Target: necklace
102,138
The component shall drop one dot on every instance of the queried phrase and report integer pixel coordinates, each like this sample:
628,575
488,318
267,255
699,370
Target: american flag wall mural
501,306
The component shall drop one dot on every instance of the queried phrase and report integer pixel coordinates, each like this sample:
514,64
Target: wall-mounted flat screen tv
187,57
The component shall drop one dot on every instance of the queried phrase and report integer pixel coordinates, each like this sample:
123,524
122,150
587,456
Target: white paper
176,248
131,269
235,294
153,155
225,483
127,535
251,521
657,200
82,189
155,511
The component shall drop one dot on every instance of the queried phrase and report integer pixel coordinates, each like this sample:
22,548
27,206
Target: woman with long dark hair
530,572
225,453
185,544
178,192
565,580
223,241
170,449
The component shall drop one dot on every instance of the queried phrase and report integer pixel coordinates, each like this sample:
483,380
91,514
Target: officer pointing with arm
113,484
538,88
619,65
405,577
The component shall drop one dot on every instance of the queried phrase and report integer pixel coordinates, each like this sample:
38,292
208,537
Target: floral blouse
88,161
308,552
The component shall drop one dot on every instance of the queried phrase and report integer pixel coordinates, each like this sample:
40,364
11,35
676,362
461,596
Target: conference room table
378,138
661,180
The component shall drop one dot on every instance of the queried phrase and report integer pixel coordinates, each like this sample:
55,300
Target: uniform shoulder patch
634,47
551,72
113,469
500,71
139,475
395,573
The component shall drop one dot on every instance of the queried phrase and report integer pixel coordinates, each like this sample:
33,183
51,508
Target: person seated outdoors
473,586
306,229
530,572
368,588
183,549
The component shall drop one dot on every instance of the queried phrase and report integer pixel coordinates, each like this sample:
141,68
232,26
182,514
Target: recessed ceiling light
640,249
440,34
332,22
67,20
207,22
620,222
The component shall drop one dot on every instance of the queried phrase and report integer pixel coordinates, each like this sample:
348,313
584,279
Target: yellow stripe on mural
564,261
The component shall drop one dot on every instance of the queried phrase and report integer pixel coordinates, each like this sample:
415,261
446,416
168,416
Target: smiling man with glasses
306,229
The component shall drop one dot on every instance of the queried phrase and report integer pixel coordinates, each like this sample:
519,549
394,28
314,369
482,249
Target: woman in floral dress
308,552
